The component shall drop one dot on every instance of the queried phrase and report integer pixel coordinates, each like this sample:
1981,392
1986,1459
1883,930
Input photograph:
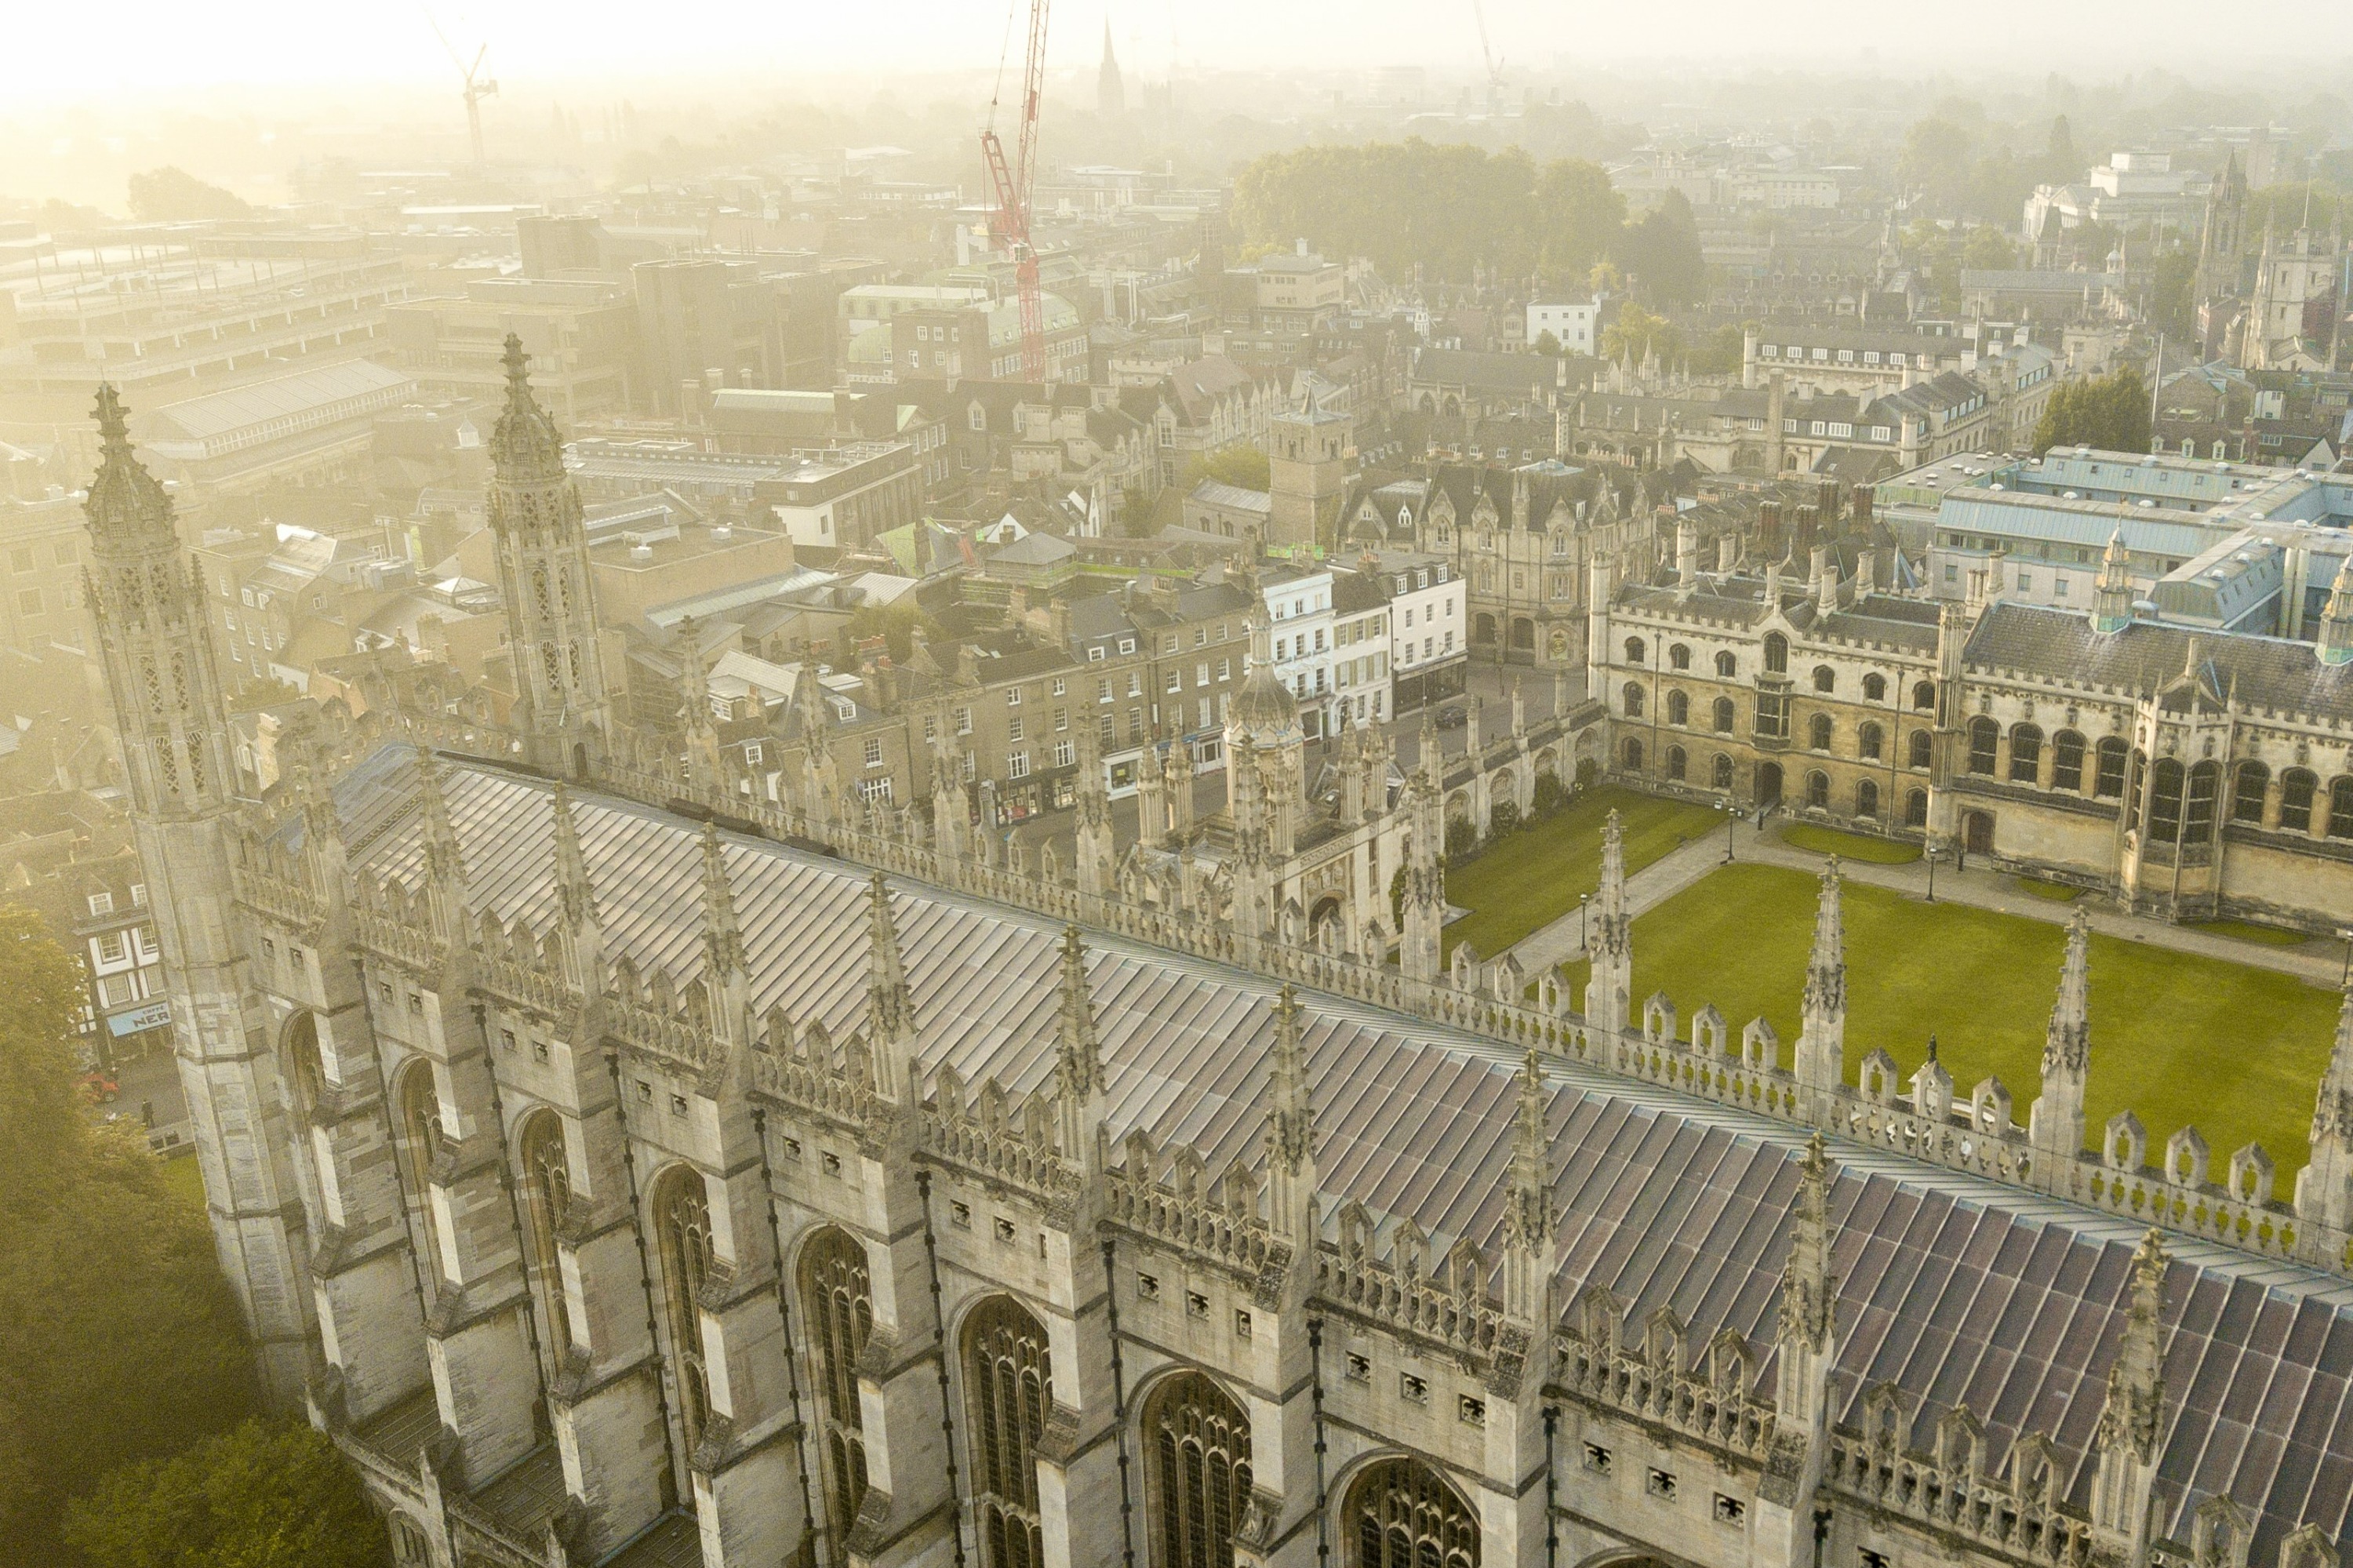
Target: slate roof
1952,1287
2146,656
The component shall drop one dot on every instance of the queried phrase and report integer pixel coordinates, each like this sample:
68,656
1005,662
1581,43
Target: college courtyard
2226,1027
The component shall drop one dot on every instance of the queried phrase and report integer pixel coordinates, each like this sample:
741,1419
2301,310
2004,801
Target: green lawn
2056,892
185,1180
1851,846
1532,876
2175,1038
2262,935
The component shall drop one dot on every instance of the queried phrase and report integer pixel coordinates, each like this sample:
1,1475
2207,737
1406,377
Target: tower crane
1495,66
476,90
1015,184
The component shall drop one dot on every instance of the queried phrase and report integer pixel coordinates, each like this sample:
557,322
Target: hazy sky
191,44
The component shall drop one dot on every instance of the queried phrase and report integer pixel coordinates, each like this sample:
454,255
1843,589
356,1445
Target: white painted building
1430,643
1572,322
1299,611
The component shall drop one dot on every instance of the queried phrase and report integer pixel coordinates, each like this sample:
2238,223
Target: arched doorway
837,1302
1008,1388
1197,1454
1400,1513
1977,831
1769,783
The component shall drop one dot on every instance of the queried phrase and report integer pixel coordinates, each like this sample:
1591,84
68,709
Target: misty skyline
163,50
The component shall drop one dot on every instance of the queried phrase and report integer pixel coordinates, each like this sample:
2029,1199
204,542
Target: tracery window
2198,810
1985,740
413,1149
1008,1388
2108,782
2296,789
1723,716
1400,1513
1678,708
836,1298
1776,653
2025,753
2067,761
682,1211
1197,1447
547,1189
1921,748
2165,799
1869,741
2247,794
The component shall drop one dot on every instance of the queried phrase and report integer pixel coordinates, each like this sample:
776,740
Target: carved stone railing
984,1141
1228,1234
525,985
1979,1136
282,898
815,1088
387,936
1636,1387
1459,1317
1951,1497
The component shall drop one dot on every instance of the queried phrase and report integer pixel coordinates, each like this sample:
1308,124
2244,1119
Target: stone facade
2192,774
806,1183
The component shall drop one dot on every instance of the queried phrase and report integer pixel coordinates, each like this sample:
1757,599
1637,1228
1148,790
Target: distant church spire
1111,91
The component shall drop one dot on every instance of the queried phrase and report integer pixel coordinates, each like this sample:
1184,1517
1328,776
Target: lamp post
1582,900
1731,815
1933,852
2345,981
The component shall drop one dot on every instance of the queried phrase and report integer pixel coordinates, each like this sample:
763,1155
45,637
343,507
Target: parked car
1452,716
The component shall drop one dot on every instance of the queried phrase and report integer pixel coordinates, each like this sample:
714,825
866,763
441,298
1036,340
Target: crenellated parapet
1708,1398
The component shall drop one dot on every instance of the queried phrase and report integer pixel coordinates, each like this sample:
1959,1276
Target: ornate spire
1610,986
2336,621
2066,1045
2332,1111
523,444
572,866
1808,1294
889,1005
1290,1131
2137,1377
444,862
2112,594
723,938
1529,1221
1821,1040
127,507
1082,1068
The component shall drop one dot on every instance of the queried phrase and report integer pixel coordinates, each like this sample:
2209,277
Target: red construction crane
1016,186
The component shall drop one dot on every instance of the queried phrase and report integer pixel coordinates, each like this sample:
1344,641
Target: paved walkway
2316,962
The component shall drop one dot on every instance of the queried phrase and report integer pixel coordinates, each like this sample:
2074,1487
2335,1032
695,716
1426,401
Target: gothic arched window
1818,732
1400,1513
1825,678
419,1139
681,1210
1869,741
1720,772
2165,799
1197,1451
1723,716
1632,697
1679,655
1985,740
1675,767
836,1298
1921,748
1916,807
547,1191
1866,799
2340,808
2198,810
2025,753
2108,774
2296,789
1924,696
1818,790
1776,653
1634,650
1008,1388
1874,688
2067,762
2247,793
1678,708
1726,666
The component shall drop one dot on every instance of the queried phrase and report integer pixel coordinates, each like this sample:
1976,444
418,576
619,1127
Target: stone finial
889,1005
1529,1222
1809,1293
1826,966
2067,1043
443,859
1082,1067
571,882
722,938
1290,1132
126,504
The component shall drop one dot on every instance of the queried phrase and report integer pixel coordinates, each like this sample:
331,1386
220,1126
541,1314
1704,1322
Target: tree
122,1342
1936,160
1547,345
1636,332
1988,249
2173,305
171,195
1241,464
1661,254
2109,412
260,1495
2061,162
